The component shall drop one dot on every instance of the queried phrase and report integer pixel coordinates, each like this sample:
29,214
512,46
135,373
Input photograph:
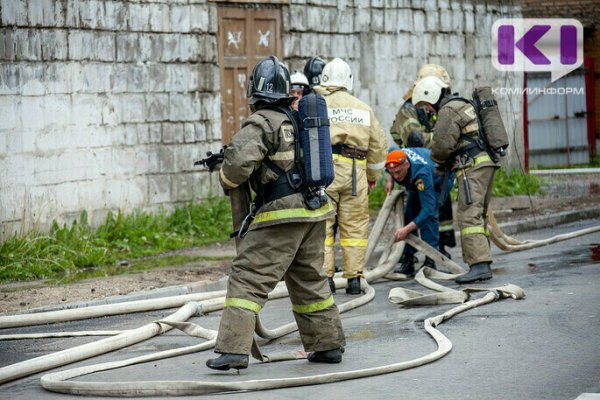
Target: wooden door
245,36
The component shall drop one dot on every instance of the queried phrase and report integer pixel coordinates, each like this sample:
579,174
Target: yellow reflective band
354,242
446,228
349,160
483,158
329,241
314,307
283,156
241,303
411,121
478,160
473,230
226,180
292,213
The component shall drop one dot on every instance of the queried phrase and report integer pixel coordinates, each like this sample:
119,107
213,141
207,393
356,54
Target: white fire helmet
429,70
433,70
428,89
298,80
336,73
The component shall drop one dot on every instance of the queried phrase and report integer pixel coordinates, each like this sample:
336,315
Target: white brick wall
104,105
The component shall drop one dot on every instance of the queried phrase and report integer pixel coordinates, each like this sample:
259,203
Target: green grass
515,183
377,195
66,252
512,184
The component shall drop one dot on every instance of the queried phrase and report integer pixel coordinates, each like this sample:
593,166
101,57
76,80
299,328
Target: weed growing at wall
515,183
65,250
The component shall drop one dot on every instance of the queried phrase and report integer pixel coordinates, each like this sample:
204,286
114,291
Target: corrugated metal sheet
557,126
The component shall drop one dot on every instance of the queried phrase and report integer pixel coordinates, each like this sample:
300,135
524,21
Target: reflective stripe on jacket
353,123
454,119
267,134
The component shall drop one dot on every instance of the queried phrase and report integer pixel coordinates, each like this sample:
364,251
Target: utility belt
353,152
471,150
286,184
349,151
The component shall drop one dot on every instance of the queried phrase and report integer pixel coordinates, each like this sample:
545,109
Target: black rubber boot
407,265
477,272
353,286
444,252
429,263
331,284
330,356
228,360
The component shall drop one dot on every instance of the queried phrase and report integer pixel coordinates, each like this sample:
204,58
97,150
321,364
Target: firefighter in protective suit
285,238
298,88
359,147
455,145
313,69
413,127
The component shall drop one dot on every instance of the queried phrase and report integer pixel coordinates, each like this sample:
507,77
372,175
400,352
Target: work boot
444,252
331,284
228,360
477,272
353,286
329,356
429,263
407,265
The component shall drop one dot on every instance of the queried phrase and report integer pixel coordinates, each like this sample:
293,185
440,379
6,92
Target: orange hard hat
395,158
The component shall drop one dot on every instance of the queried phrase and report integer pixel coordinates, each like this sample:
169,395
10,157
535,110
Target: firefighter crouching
284,240
455,145
359,145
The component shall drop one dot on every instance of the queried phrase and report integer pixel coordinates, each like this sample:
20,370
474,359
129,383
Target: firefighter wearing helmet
313,69
359,147
455,146
298,87
413,127
284,239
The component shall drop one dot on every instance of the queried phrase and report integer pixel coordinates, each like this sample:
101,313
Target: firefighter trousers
472,218
294,252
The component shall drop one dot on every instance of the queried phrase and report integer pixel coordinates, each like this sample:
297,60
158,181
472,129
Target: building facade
105,105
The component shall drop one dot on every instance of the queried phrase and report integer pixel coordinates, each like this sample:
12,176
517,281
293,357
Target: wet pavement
543,347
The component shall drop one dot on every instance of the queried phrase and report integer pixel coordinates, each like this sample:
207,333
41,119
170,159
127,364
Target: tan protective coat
285,241
353,123
407,121
456,118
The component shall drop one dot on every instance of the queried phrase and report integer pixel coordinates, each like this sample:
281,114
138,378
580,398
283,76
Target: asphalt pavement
543,347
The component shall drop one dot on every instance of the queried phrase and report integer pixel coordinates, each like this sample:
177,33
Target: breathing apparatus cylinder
490,119
315,140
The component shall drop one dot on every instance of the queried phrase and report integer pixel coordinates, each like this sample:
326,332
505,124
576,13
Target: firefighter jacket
420,180
267,134
456,123
408,121
353,123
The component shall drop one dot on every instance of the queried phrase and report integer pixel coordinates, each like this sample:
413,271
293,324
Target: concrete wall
104,105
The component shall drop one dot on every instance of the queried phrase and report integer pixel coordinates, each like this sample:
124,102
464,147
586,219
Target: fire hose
390,255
